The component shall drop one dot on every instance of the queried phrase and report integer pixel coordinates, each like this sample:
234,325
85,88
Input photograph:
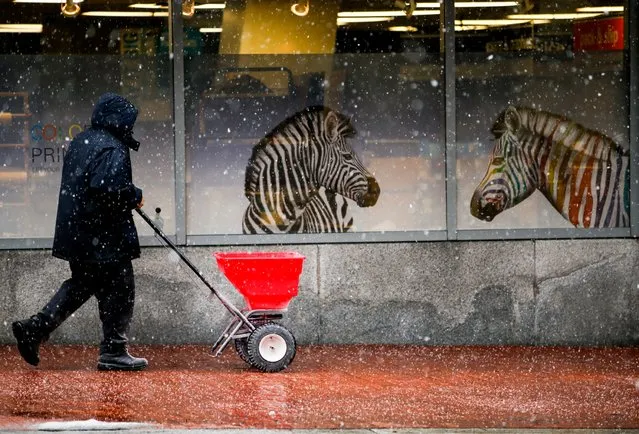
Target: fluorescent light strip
147,6
20,28
210,29
470,4
45,1
497,4
418,12
211,6
489,22
342,21
467,28
602,9
157,6
402,29
385,14
118,14
552,16
423,12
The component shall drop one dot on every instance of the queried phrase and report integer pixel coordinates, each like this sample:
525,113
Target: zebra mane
560,129
302,116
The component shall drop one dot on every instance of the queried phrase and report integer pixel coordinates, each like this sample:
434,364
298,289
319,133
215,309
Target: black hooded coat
94,221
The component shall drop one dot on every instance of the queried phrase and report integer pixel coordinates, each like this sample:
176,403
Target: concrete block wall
547,292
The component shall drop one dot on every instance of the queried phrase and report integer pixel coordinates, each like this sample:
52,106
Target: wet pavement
330,387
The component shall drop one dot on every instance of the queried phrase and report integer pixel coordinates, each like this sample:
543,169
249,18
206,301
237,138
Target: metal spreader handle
229,306
166,239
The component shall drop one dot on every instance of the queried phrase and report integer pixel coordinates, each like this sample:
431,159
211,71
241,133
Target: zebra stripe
325,212
299,176
583,173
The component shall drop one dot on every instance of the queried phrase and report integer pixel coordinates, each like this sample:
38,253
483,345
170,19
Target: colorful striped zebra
299,175
583,173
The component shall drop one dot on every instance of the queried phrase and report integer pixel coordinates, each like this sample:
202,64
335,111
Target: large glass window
329,116
264,66
542,116
52,70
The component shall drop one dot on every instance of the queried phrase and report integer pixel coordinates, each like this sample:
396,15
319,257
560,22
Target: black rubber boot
29,334
121,361
115,305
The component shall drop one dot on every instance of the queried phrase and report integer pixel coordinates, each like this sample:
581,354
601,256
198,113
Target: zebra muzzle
486,207
372,194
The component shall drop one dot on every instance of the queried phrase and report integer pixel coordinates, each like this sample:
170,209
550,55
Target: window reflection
52,69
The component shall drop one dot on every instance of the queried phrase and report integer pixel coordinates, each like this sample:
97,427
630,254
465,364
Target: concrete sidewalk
329,431
355,388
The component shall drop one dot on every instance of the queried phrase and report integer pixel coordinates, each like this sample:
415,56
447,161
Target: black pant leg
116,298
71,295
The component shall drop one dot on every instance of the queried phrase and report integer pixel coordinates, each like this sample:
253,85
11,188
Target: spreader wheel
241,346
271,347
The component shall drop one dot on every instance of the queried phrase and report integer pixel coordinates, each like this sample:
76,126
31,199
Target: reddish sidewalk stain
369,386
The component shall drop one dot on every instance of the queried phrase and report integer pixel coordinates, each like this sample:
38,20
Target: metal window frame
452,232
632,67
176,53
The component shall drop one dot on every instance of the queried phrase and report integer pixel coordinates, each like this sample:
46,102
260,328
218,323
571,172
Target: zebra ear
336,125
508,120
512,119
331,125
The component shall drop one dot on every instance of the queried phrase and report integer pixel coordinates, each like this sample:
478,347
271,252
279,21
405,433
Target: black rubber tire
241,346
271,348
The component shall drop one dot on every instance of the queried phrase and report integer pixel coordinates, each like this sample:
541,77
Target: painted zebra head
510,177
336,166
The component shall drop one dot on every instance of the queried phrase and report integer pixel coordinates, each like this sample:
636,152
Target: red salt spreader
268,281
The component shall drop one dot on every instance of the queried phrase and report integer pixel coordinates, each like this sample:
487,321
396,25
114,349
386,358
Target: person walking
96,234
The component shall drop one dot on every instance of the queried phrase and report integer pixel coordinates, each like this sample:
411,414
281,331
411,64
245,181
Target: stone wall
548,292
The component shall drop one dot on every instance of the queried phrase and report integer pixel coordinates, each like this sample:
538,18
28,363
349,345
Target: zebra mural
583,173
300,174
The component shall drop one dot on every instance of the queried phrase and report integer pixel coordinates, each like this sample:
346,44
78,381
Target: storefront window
328,116
258,79
542,116
52,70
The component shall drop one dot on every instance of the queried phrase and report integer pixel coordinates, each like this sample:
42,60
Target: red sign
601,34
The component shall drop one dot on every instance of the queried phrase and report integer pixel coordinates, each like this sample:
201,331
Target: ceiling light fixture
408,6
301,8
210,30
602,9
188,8
70,9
